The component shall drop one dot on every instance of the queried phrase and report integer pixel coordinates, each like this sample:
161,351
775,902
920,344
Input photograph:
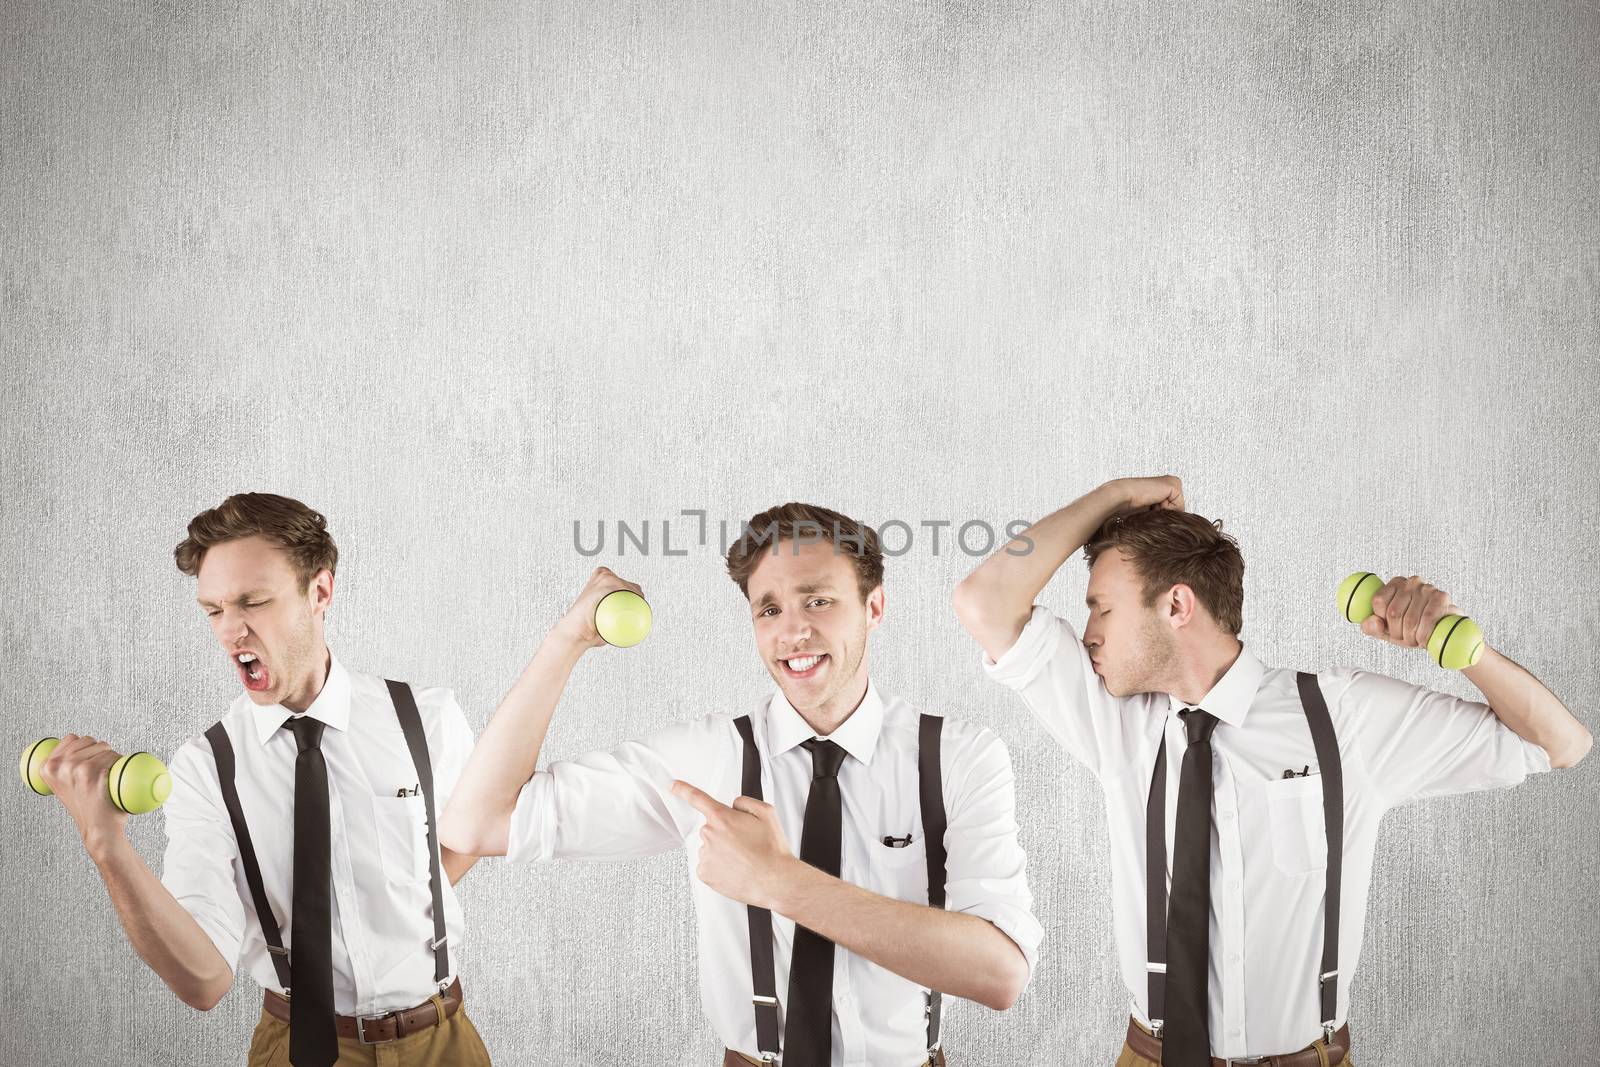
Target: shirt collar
857,735
1230,699
332,705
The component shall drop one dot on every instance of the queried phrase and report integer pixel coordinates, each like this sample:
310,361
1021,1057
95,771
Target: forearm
164,935
478,819
994,601
1524,704
962,955
454,865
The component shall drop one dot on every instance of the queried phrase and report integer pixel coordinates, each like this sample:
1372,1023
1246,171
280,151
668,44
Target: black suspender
763,976
405,706
411,724
1155,891
1327,749
763,971
930,785
222,752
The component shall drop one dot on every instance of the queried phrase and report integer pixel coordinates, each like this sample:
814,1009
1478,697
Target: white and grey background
460,274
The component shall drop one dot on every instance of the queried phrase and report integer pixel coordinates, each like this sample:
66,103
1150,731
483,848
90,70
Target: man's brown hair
301,532
807,522
1169,548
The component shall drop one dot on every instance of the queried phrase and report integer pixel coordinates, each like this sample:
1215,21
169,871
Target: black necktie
808,1026
313,1038
1187,1039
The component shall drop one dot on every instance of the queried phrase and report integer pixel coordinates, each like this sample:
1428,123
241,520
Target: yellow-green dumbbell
622,618
1456,641
136,783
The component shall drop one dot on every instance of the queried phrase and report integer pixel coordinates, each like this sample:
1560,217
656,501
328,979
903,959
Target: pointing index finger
697,799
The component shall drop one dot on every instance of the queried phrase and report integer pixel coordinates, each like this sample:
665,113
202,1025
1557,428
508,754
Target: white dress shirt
381,903
618,804
1397,742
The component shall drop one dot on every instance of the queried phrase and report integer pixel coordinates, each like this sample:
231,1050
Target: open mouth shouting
252,672
804,666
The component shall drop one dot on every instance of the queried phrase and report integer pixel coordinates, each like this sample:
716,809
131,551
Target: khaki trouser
454,1041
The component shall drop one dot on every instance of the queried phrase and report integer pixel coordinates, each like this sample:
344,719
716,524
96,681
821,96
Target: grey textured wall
460,273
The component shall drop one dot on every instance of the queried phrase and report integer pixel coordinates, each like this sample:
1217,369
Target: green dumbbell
136,783
1456,641
622,617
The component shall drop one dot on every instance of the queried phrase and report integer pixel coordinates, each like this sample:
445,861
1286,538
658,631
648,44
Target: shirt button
1234,1031
1227,815
1233,886
1233,957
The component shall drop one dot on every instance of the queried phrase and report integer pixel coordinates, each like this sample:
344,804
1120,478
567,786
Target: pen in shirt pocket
897,842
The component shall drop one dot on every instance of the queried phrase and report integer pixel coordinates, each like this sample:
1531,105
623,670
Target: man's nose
796,630
232,630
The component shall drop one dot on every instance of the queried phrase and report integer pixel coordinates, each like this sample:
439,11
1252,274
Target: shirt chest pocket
1299,838
402,826
900,871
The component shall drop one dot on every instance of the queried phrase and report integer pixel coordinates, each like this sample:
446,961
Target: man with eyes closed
298,828
907,882
1243,800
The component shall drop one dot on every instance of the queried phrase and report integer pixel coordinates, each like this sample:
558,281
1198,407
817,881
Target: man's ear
321,590
1181,605
875,606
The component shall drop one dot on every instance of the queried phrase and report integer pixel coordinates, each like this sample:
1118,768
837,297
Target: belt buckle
361,1027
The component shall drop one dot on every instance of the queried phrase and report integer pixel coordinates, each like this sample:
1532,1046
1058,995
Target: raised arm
994,601
1405,611
477,821
161,931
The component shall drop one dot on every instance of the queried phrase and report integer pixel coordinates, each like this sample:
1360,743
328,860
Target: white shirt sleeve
1050,667
618,804
1419,742
197,868
450,747
986,869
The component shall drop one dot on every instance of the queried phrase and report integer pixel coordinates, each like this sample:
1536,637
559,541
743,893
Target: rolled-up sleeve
1050,667
198,865
1419,742
986,868
618,803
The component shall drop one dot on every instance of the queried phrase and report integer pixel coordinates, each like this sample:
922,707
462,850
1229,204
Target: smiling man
908,881
1243,800
298,829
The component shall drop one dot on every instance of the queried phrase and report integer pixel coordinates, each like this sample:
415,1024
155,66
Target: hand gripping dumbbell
1456,641
136,783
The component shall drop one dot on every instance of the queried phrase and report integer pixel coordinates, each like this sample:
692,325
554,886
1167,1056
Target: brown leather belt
1319,1054
739,1059
377,1029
